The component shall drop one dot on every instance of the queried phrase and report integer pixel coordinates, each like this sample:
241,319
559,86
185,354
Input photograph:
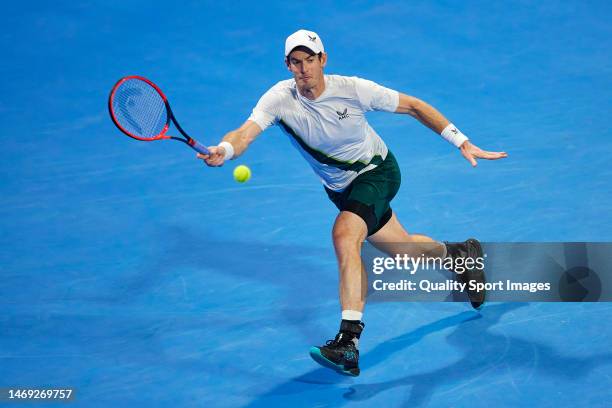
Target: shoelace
340,340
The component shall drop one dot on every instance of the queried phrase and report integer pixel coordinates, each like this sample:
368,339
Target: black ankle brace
351,327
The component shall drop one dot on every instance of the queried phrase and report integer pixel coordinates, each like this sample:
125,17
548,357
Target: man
324,118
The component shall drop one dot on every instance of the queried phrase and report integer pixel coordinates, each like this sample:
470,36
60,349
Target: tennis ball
242,173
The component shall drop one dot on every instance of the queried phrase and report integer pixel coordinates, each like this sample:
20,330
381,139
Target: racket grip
198,147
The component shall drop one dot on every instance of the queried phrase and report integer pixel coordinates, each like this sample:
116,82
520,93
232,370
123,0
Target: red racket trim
162,134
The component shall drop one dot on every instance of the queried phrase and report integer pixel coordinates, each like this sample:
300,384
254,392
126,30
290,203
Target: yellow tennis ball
242,173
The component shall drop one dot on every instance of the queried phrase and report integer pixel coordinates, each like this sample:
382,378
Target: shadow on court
488,358
300,273
486,354
136,322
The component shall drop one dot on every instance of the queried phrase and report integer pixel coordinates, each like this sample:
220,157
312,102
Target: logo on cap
313,39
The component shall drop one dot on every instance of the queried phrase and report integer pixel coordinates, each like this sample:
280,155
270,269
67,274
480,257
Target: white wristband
453,135
229,150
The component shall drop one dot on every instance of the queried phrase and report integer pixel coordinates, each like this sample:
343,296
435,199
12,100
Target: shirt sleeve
375,97
266,112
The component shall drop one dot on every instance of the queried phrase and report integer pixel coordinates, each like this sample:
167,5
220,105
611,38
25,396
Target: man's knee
349,229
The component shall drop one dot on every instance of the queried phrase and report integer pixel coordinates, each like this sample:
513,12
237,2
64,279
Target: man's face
306,69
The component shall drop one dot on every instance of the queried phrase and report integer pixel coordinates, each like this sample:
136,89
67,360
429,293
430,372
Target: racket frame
191,142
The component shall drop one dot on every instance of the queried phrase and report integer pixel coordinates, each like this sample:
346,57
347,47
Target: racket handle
198,147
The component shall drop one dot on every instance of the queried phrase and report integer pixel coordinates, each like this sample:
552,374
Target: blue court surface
140,277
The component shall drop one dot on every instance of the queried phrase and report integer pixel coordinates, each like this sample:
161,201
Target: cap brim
314,52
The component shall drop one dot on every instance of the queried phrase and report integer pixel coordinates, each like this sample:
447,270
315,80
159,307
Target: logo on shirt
343,114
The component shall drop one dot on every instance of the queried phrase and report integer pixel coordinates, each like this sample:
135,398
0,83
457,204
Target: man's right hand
216,157
238,139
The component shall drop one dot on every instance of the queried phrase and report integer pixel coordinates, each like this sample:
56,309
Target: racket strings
140,109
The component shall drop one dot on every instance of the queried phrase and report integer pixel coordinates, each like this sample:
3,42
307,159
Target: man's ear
323,59
287,64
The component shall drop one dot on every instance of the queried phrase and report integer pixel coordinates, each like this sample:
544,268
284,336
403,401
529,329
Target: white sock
351,315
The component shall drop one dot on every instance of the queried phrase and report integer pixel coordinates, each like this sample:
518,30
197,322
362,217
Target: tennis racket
141,110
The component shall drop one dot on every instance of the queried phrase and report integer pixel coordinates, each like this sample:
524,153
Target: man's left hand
472,152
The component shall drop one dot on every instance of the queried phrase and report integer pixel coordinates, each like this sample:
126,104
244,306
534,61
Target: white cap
308,39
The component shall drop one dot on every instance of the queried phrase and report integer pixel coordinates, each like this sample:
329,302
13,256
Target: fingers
469,157
472,161
472,152
490,155
214,159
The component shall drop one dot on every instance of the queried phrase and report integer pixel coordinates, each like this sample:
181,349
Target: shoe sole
316,355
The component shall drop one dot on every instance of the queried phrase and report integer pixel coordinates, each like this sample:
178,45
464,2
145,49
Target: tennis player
324,117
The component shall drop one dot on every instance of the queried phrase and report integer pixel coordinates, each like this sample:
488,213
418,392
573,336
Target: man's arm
430,117
240,139
425,113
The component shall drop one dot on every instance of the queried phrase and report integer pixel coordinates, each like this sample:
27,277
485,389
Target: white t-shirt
331,132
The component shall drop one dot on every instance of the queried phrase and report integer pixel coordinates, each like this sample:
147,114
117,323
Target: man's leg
392,240
342,353
348,235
